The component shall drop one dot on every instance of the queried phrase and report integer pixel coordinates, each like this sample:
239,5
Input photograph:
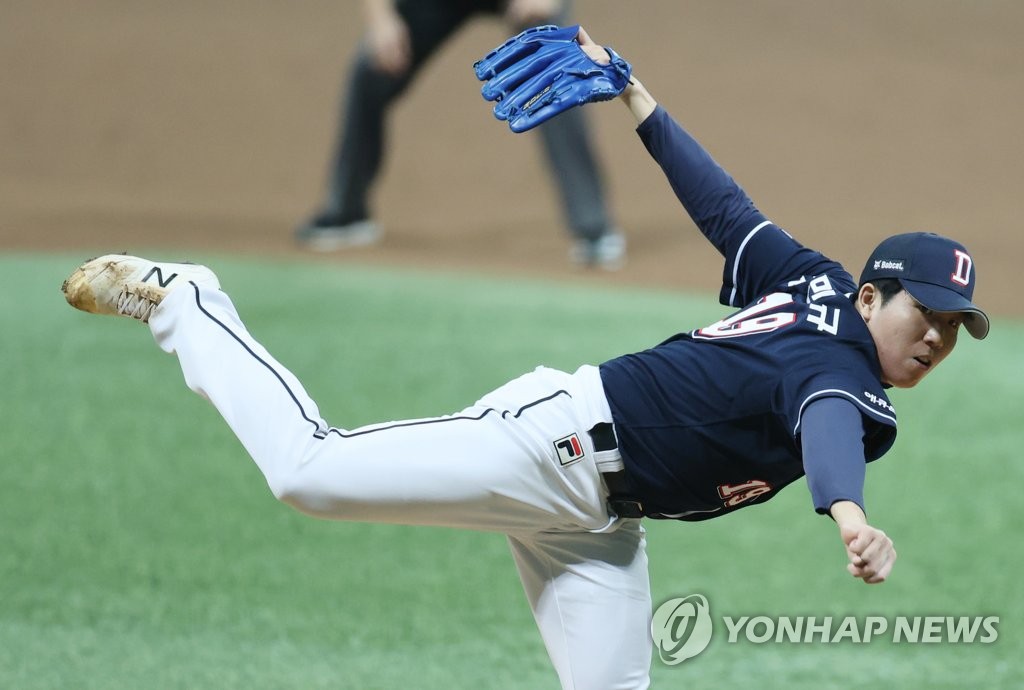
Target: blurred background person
400,37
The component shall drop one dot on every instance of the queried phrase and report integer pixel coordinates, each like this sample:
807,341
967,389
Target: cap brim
938,298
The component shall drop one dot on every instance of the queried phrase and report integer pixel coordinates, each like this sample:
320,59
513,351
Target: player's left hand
546,70
870,551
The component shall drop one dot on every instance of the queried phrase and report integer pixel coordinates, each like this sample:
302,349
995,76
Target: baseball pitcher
713,420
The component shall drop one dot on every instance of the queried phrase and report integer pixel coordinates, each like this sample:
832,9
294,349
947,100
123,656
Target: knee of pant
283,486
300,498
306,492
288,486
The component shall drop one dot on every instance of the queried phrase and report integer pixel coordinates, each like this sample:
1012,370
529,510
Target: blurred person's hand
525,13
387,37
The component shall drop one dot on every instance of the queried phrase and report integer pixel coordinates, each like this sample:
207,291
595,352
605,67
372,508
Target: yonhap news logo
682,628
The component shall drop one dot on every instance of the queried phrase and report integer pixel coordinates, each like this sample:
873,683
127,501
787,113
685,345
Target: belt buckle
626,507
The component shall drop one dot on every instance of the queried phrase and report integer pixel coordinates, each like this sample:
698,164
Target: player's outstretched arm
546,70
869,550
718,206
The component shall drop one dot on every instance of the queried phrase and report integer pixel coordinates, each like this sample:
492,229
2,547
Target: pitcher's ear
868,297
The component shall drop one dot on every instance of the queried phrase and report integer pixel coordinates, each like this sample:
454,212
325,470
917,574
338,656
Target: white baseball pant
493,466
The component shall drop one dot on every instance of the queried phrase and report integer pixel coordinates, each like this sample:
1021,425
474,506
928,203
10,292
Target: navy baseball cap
935,270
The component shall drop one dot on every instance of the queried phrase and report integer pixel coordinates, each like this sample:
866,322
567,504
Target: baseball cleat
607,251
122,285
323,234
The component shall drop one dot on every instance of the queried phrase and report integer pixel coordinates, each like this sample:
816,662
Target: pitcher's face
910,338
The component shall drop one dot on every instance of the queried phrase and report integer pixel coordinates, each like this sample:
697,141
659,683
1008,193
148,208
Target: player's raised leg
492,466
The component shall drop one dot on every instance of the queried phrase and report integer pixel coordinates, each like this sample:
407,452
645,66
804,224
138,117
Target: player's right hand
870,551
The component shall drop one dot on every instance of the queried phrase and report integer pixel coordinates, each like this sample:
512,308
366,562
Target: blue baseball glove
542,72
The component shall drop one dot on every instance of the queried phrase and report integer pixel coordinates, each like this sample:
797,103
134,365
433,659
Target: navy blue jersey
709,421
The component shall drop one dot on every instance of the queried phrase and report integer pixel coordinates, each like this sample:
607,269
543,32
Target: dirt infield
208,125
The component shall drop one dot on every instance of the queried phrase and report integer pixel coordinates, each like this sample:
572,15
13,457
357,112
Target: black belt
620,492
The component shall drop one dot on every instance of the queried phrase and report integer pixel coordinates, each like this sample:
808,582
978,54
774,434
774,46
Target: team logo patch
888,265
962,274
569,449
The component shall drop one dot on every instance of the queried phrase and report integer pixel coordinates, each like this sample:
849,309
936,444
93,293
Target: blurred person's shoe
327,234
607,251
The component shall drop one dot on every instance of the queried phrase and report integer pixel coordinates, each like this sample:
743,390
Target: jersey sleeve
832,445
878,417
759,255
767,259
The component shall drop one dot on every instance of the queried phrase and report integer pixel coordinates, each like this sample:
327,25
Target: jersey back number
756,319
753,319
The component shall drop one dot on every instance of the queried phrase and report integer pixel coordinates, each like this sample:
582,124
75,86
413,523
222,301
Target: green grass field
140,547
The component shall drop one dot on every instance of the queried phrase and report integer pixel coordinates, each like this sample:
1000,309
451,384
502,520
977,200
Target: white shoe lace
134,305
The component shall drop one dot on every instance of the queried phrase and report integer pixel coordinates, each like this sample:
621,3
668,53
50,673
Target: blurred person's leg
577,174
344,218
